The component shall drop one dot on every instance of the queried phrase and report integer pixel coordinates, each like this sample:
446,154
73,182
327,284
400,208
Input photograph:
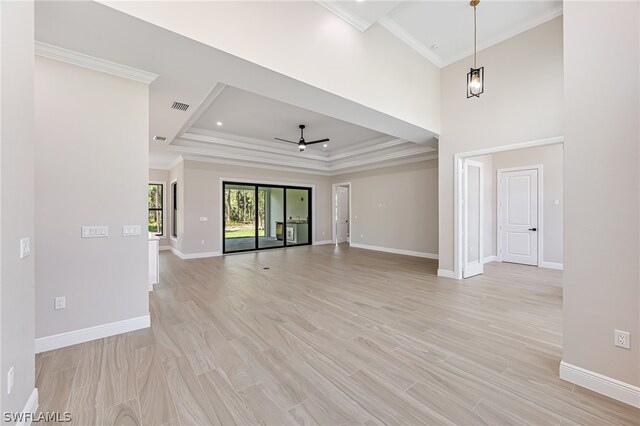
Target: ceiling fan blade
284,140
318,141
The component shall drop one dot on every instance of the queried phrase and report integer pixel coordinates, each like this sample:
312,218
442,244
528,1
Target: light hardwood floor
330,335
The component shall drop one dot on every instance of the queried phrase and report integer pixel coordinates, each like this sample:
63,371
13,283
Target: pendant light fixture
475,77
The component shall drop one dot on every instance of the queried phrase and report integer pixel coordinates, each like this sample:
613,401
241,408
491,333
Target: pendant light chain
475,36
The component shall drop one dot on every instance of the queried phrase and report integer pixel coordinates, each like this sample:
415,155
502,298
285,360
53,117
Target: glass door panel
270,217
240,212
298,219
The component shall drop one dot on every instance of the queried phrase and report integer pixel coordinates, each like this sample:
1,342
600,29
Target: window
174,210
156,206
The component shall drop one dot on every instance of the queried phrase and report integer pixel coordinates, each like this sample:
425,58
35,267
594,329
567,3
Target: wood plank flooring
330,335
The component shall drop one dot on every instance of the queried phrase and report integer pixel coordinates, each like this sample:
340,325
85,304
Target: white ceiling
195,74
248,115
449,24
256,104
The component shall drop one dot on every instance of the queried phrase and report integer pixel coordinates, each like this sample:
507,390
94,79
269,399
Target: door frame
457,194
465,218
259,182
334,230
540,226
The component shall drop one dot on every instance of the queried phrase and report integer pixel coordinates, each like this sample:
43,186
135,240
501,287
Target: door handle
533,229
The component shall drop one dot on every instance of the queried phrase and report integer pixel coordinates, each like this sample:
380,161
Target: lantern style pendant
475,76
475,82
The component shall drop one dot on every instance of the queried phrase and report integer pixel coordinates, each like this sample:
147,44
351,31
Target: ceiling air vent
159,139
180,106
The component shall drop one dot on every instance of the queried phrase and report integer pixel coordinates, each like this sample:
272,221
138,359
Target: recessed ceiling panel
237,112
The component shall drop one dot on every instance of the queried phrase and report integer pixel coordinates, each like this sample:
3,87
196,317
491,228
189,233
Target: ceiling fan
302,144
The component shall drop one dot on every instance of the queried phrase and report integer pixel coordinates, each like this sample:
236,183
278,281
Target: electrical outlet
60,303
202,242
10,380
622,339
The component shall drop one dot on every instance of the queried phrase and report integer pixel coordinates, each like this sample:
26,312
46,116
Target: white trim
490,259
394,28
97,64
163,248
457,189
605,385
323,242
30,408
396,251
470,269
551,265
187,256
540,225
446,273
69,338
343,13
334,230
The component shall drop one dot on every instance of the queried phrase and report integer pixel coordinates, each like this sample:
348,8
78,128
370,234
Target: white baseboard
600,383
490,259
446,273
396,251
551,265
69,338
165,248
29,409
186,256
323,242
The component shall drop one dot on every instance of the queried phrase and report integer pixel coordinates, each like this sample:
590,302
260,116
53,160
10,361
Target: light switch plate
95,231
25,247
204,219
130,230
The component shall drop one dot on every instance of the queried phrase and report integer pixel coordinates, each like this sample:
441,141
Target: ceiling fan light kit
475,76
302,144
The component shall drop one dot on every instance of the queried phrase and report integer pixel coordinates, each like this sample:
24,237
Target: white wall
16,203
395,207
203,198
305,41
91,169
602,177
523,101
550,157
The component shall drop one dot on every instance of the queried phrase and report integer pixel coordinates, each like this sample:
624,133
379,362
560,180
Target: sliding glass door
239,218
258,216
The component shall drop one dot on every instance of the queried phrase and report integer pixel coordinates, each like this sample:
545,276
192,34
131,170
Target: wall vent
180,106
159,139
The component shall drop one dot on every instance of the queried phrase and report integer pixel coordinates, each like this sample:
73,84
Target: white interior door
519,216
472,219
342,214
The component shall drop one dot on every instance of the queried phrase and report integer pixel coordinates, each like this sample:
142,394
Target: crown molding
80,59
243,163
242,142
343,13
526,26
268,147
245,158
394,28
383,158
